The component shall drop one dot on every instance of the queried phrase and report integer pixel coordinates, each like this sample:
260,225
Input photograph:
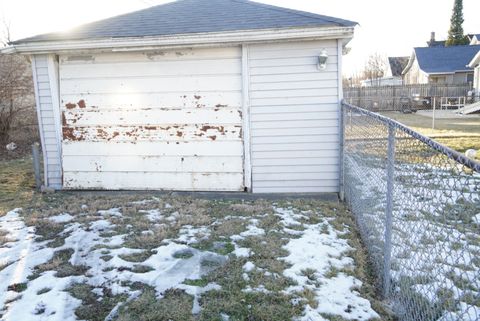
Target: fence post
342,152
36,165
389,211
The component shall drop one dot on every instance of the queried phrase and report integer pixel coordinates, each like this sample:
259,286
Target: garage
163,120
218,95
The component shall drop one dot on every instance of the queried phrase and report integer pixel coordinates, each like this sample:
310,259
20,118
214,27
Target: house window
469,78
438,80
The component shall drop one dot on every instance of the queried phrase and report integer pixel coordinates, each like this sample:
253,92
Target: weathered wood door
155,120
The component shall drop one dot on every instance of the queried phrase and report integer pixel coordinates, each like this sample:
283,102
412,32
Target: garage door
156,120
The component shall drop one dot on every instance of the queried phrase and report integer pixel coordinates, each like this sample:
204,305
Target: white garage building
194,95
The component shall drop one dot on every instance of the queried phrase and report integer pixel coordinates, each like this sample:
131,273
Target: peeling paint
70,105
205,128
152,55
151,133
81,103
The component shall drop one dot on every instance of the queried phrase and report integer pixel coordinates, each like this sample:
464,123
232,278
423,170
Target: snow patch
111,212
248,267
61,218
252,230
321,252
189,234
242,252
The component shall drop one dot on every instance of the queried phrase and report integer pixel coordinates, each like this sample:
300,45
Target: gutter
198,39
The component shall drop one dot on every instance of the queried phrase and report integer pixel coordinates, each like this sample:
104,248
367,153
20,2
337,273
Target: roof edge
475,61
409,65
198,39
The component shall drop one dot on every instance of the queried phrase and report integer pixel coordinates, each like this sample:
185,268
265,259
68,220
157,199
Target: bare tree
375,69
6,35
15,87
353,80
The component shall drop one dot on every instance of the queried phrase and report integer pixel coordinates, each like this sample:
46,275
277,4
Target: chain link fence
417,204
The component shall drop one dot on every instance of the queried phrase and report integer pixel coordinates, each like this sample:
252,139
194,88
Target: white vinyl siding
415,75
160,120
476,80
294,117
44,91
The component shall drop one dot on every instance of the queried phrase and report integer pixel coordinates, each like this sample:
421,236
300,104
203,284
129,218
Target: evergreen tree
455,34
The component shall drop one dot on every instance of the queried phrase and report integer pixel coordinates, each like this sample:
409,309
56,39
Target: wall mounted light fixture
322,60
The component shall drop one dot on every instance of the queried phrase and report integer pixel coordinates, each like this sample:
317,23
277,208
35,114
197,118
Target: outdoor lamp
322,60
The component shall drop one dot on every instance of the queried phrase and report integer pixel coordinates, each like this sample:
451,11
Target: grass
198,282
175,305
17,183
17,287
93,307
136,257
458,134
60,263
223,218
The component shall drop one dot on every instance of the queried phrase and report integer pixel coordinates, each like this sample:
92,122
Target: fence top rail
460,158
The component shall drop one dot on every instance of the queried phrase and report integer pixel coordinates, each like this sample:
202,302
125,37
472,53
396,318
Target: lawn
457,133
157,256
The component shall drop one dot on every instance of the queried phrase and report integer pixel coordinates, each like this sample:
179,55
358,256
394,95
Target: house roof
397,64
445,59
194,16
436,43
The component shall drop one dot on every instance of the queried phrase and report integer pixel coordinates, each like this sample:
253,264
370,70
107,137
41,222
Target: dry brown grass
458,134
443,126
4,237
224,219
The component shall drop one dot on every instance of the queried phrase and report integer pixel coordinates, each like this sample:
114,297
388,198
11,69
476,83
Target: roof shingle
445,59
397,65
194,16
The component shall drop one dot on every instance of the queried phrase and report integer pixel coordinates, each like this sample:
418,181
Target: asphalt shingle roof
194,16
445,59
397,65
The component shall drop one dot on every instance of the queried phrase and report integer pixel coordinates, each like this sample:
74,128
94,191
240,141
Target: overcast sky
391,28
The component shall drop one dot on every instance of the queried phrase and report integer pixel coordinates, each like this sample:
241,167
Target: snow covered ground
108,261
435,236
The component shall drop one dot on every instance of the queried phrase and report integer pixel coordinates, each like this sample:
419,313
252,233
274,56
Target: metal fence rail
417,204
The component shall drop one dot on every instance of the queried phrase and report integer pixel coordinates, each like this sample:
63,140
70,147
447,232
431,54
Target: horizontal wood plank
181,99
154,181
156,148
153,164
148,117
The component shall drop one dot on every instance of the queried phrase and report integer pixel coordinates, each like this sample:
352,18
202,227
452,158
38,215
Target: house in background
475,64
440,65
474,39
217,95
392,76
435,43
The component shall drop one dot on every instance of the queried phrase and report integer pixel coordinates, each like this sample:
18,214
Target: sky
390,28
